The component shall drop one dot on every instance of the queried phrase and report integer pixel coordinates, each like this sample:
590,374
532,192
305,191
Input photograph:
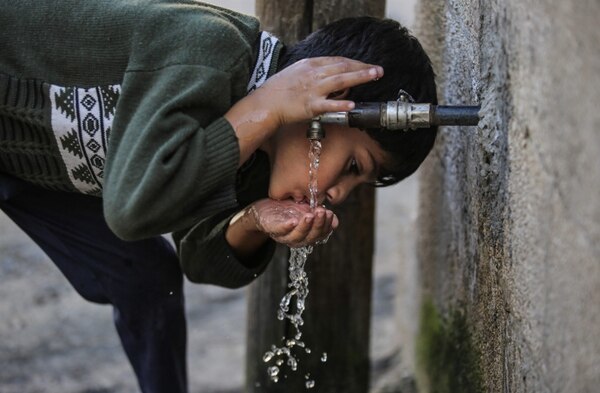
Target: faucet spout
316,130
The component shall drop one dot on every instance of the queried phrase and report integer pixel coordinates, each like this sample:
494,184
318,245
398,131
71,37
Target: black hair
406,66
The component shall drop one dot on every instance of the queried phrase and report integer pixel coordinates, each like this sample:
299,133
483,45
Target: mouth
301,199
306,200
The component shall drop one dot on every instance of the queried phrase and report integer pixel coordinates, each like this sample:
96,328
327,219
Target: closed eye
353,167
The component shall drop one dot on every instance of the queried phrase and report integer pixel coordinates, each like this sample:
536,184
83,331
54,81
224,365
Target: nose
337,193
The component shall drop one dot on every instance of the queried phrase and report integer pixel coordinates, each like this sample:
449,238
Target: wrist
253,122
245,220
243,234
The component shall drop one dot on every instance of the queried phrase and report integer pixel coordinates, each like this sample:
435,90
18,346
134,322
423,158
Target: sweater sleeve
207,258
172,157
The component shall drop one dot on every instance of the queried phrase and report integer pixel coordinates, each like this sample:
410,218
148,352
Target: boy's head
406,67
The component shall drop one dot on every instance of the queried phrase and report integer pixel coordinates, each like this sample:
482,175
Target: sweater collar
266,60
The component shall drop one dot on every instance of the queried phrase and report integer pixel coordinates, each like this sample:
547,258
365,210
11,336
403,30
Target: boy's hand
308,87
293,224
298,93
287,222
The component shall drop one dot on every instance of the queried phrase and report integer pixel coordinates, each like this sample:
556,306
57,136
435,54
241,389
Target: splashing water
299,288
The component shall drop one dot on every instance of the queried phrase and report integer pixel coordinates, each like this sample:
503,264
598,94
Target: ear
339,95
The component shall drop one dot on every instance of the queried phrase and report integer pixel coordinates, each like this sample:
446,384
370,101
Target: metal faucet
396,115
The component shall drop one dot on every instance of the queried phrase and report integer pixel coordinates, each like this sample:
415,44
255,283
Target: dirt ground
51,340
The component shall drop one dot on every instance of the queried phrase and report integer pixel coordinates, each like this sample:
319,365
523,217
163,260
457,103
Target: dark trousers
141,280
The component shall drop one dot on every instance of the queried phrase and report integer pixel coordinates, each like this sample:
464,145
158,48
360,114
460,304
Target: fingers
345,80
325,61
300,233
339,77
285,228
312,228
339,74
340,66
335,222
332,105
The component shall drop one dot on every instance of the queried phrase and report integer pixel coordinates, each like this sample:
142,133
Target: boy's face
349,157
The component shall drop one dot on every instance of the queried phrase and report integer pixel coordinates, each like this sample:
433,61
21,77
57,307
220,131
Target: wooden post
338,308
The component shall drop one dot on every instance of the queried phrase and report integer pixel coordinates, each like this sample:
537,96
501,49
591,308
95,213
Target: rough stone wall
509,244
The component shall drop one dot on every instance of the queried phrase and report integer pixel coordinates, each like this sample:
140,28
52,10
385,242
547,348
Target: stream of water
292,304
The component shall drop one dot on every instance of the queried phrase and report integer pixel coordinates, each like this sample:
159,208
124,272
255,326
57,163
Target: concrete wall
509,243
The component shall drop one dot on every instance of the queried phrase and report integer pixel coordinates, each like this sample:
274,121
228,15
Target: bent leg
141,279
149,308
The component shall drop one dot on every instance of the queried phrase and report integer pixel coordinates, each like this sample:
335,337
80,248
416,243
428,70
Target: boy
121,121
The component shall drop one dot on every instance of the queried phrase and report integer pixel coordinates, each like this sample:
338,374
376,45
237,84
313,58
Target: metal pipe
397,115
444,115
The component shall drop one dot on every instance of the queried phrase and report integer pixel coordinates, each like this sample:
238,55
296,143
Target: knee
91,291
149,313
156,268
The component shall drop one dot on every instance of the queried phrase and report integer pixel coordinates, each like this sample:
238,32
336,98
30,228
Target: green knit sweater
124,99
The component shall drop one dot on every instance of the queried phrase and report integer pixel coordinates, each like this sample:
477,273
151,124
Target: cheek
326,178
331,168
288,177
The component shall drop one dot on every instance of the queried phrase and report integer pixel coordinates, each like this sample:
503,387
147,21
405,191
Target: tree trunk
338,308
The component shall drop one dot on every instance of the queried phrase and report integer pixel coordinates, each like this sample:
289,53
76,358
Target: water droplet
292,363
268,356
324,357
279,362
310,384
171,293
273,371
308,350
